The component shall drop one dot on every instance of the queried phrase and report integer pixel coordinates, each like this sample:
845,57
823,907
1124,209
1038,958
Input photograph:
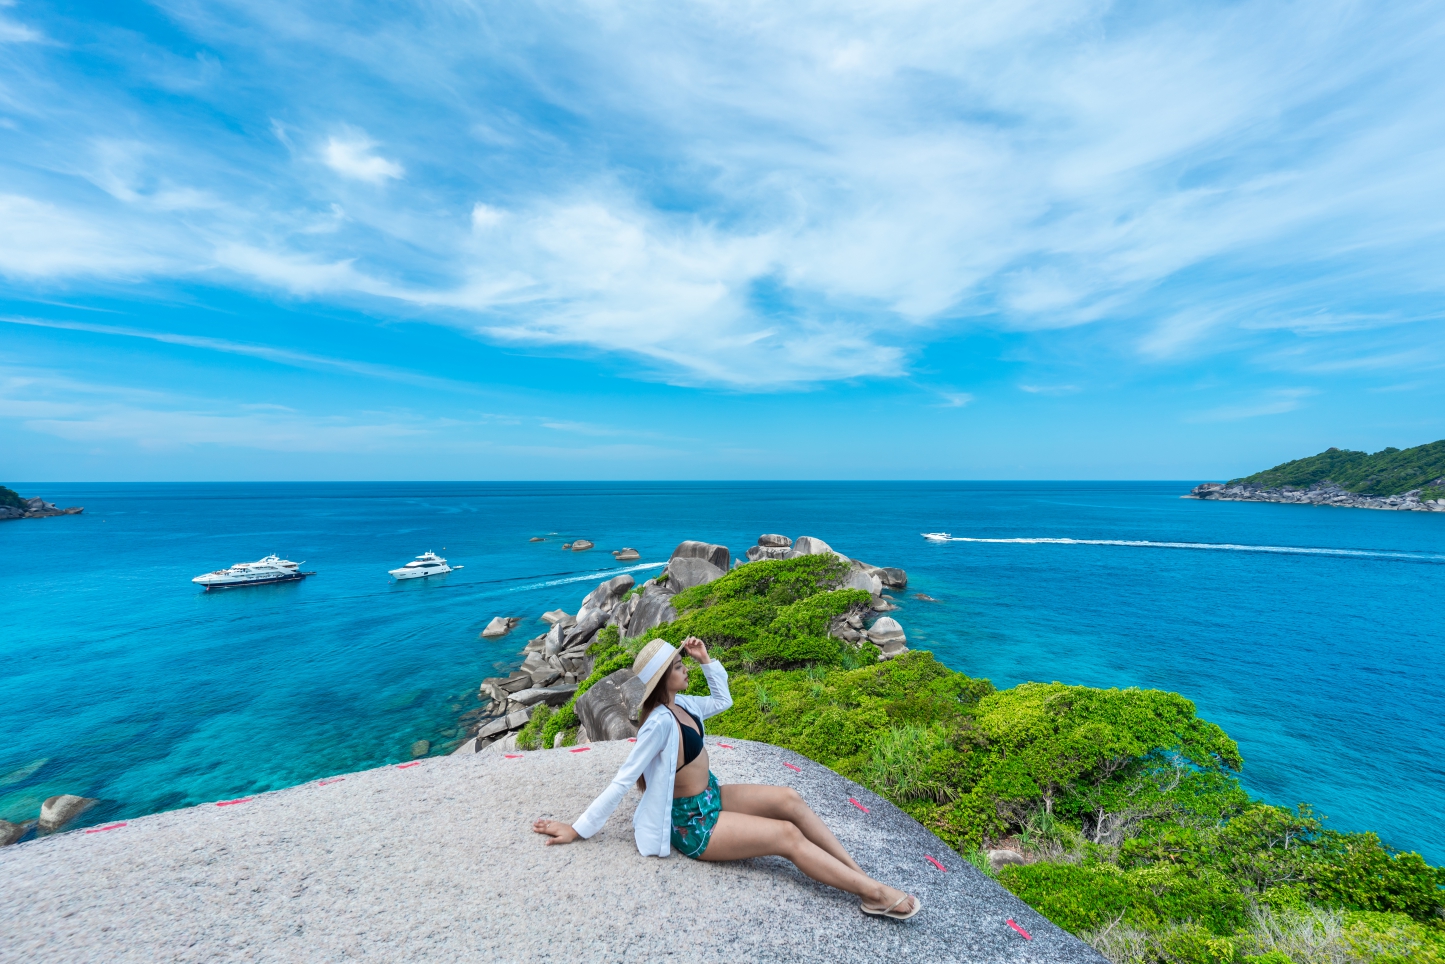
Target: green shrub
11,498
529,737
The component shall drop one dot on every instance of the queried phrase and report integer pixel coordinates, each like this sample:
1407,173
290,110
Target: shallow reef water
125,682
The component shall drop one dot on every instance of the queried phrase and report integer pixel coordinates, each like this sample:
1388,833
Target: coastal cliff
14,506
1408,480
1117,814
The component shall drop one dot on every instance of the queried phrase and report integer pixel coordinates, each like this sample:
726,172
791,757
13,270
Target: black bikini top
691,739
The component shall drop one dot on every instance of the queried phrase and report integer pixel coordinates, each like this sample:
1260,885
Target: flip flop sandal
890,912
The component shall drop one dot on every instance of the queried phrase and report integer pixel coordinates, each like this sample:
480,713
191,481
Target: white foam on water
587,577
1224,546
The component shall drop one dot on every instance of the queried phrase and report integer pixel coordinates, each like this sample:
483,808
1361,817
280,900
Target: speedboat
268,570
426,564
938,537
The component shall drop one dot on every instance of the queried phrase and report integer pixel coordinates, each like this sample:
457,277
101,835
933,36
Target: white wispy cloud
1275,402
352,156
764,196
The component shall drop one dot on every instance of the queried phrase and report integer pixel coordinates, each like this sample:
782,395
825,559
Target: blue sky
458,240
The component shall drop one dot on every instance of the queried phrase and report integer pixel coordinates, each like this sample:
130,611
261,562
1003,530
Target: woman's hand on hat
695,648
555,831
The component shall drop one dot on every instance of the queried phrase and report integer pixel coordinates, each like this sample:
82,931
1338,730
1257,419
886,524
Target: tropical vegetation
11,498
1390,471
1125,805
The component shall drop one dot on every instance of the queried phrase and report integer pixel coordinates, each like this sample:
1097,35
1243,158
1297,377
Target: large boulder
551,695
500,626
771,552
888,636
717,555
606,595
11,832
581,544
56,812
864,580
626,555
608,710
808,546
557,616
687,571
775,541
651,609
999,859
892,578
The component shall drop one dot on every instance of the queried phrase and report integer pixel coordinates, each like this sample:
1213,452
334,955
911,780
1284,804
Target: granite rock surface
435,861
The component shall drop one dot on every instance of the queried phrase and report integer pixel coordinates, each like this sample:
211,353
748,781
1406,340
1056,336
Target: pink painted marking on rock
113,826
322,783
935,863
859,805
579,749
403,766
791,767
632,739
229,803
727,746
512,756
1019,929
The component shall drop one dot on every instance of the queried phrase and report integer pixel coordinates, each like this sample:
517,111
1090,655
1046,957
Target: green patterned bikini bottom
693,819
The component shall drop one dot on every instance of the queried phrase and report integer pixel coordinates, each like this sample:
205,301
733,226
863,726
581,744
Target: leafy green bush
11,498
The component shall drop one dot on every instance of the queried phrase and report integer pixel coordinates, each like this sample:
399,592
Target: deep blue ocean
123,681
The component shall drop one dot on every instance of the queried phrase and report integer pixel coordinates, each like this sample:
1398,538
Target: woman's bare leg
738,836
784,803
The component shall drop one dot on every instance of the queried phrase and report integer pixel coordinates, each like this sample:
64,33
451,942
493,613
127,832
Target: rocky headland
1320,493
1404,480
557,664
14,506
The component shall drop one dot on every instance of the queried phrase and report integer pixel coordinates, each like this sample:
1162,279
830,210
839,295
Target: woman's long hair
656,698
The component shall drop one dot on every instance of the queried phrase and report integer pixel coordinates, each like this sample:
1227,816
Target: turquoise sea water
1313,636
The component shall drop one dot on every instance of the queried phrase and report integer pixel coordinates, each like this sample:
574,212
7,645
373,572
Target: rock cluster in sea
555,661
1320,493
37,509
55,813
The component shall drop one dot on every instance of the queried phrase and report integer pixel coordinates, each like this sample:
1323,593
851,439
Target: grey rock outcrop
650,609
626,555
888,636
686,572
551,695
892,578
11,832
999,859
500,626
775,541
57,811
581,544
862,579
557,616
809,546
1320,493
755,553
715,554
36,509
608,710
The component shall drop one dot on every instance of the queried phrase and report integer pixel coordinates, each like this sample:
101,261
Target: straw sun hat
652,663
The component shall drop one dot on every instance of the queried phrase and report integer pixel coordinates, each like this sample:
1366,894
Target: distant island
13,506
1405,479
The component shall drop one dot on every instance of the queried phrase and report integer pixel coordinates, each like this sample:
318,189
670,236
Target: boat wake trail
1226,547
588,576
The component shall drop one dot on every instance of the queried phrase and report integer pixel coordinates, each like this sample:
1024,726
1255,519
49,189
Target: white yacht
937,536
426,564
271,569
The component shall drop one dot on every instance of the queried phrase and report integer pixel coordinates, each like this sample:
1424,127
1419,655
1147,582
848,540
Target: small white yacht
937,536
426,564
268,570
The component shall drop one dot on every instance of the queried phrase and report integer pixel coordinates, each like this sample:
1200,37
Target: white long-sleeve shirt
655,756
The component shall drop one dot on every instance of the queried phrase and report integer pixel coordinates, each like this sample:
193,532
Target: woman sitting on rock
682,801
